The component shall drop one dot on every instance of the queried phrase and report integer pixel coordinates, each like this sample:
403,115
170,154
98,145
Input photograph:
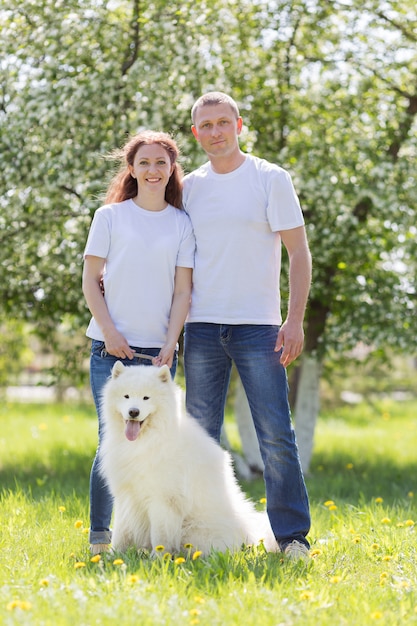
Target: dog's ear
117,369
164,373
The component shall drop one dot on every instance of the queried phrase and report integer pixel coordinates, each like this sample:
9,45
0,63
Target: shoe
297,551
98,548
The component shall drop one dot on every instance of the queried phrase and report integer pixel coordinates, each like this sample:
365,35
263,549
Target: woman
140,255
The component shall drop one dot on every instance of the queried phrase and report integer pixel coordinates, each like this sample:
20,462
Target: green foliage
14,350
326,90
363,535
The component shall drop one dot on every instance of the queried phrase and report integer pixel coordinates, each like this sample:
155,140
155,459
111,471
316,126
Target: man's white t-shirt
236,218
142,249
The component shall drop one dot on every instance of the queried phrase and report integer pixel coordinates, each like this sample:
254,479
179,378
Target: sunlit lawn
364,544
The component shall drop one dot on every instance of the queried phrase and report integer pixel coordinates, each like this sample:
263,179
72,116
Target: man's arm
291,334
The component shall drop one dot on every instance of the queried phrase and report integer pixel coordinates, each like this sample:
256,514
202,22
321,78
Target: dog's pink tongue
132,429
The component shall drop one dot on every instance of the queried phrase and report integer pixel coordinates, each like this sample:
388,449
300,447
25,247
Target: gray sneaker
296,551
98,548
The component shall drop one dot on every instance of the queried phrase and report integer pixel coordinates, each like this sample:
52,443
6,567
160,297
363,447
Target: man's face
217,128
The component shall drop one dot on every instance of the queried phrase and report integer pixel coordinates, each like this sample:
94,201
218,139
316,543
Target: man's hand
291,339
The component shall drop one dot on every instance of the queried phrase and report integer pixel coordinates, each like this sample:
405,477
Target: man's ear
194,131
239,125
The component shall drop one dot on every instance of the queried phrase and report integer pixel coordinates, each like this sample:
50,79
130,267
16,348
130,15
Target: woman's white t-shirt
142,249
236,218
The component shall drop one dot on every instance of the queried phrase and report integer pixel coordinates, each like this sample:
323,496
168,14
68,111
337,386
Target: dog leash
143,356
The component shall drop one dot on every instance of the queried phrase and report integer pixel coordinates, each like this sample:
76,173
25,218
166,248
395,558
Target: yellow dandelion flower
349,466
306,595
377,615
62,509
194,621
118,562
375,546
132,579
199,600
96,558
335,579
410,494
356,539
315,552
332,507
44,582
387,557
329,503
12,605
19,604
262,501
196,555
167,556
179,560
78,524
379,500
195,612
385,520
79,564
383,575
188,546
159,548
409,522
85,531
400,525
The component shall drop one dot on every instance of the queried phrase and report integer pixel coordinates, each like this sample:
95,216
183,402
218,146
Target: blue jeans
209,351
101,500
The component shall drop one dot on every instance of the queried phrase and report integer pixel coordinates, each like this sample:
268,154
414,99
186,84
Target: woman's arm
179,309
114,341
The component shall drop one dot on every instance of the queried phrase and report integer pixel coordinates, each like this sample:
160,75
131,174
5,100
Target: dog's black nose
133,413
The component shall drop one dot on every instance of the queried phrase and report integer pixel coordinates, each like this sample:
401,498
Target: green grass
364,569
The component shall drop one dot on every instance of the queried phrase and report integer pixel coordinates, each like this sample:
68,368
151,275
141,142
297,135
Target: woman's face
152,168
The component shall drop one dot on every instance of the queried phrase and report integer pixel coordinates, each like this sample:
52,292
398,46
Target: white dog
172,483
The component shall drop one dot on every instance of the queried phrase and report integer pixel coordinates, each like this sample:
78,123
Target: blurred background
326,89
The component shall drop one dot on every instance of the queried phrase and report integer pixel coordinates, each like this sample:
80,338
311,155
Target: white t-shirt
235,218
142,249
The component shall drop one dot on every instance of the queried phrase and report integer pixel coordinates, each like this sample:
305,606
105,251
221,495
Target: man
242,208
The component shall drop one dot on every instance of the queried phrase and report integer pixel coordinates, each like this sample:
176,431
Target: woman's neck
150,203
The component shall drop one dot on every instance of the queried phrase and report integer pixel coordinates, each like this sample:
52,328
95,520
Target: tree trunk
307,406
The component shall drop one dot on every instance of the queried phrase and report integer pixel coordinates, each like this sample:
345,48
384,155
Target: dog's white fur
172,483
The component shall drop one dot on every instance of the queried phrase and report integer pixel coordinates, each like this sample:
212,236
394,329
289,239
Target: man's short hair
211,98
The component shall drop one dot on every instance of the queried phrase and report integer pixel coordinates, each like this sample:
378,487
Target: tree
353,166
327,89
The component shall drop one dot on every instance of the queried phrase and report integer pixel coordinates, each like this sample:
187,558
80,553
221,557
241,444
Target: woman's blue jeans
209,351
101,501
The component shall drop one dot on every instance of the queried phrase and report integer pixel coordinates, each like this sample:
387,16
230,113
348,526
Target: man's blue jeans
101,501
209,350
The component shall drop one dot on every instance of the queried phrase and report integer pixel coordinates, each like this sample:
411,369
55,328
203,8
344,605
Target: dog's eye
146,397
127,396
